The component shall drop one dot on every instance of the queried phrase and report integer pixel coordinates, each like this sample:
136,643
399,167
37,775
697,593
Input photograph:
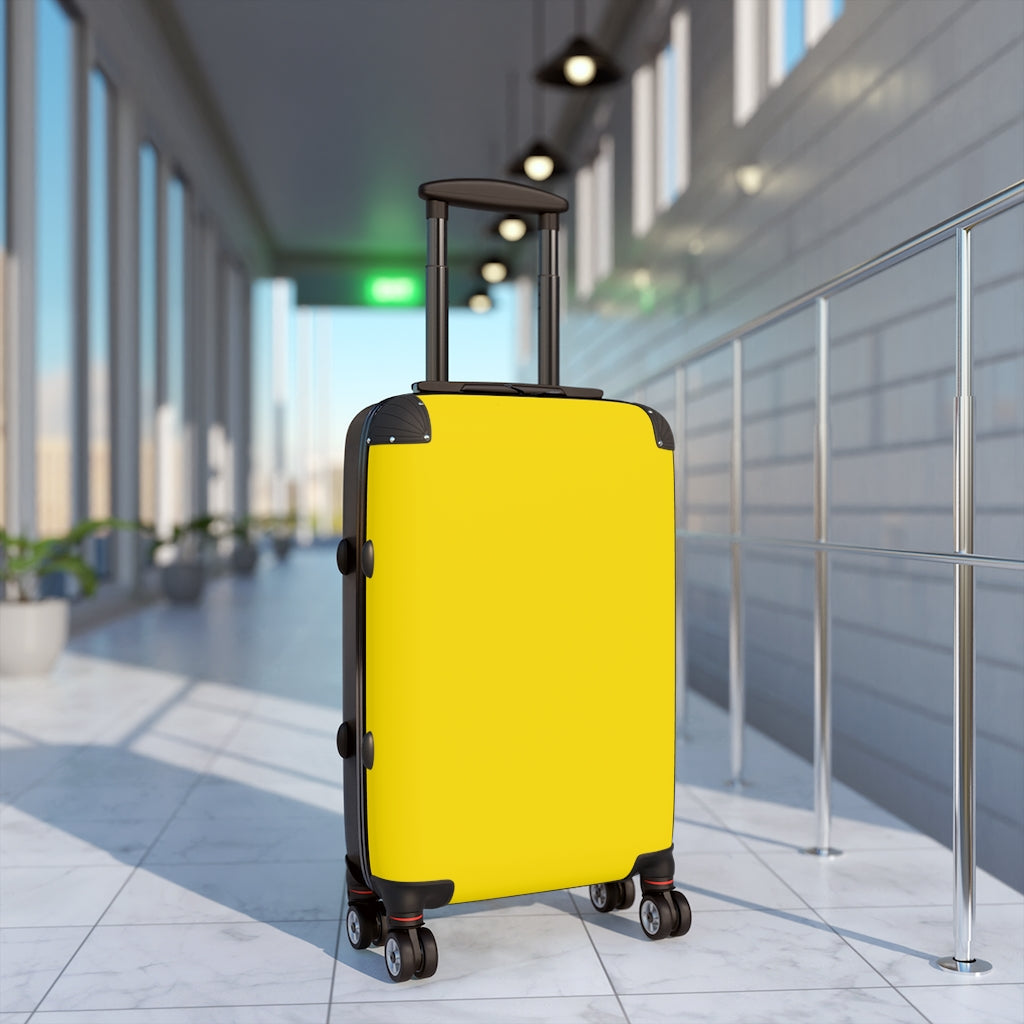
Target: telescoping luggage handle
501,197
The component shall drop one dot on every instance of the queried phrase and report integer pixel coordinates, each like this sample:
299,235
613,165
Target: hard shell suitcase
508,633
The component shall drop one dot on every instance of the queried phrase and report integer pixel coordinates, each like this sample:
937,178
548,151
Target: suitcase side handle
489,194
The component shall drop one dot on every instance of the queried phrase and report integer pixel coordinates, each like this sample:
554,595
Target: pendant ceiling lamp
494,270
540,160
511,227
581,64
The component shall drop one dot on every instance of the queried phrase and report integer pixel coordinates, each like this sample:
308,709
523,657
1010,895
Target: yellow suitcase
509,592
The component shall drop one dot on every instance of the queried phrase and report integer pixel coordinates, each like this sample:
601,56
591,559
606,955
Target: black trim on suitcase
354,642
400,420
406,901
389,422
479,387
662,430
655,869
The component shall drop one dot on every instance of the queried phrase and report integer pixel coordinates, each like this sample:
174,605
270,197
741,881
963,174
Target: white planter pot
32,635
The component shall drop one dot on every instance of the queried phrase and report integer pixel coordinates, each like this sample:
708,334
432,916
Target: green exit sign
393,290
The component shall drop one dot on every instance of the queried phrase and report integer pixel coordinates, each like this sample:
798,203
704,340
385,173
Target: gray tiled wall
907,112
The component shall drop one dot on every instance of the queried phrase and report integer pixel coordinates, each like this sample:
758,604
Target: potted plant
182,573
244,554
34,628
282,533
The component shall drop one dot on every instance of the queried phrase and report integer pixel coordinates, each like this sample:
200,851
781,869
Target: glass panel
668,190
3,123
262,403
99,298
147,332
175,354
643,150
3,246
793,38
54,248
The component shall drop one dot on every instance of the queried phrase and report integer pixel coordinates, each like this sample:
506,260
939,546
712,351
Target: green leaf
77,567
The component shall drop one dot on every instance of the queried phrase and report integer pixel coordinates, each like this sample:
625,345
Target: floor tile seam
944,905
10,799
814,912
521,997
802,903
846,942
334,964
238,863
604,968
305,730
249,760
974,983
710,810
846,848
176,1006
121,888
756,991
216,922
131,874
759,909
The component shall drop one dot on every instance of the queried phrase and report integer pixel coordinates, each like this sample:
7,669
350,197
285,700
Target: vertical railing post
680,434
822,612
962,959
737,680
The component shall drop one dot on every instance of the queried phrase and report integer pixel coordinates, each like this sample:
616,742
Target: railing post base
822,851
737,783
950,963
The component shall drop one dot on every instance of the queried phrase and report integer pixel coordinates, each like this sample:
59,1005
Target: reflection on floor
172,845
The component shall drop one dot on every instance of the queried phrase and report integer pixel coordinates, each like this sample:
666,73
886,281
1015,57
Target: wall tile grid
910,113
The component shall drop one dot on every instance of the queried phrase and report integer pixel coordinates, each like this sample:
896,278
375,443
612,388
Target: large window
3,128
770,39
3,258
594,219
99,297
147,331
661,127
172,445
54,251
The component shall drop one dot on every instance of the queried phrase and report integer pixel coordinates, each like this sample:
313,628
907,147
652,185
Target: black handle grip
491,194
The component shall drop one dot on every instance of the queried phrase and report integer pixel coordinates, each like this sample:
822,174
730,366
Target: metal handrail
963,558
979,561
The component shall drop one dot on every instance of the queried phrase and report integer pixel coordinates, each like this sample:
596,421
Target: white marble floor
172,854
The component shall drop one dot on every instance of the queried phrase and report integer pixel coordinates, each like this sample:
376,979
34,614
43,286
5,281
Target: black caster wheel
628,891
683,913
605,896
380,934
399,956
427,964
657,915
360,925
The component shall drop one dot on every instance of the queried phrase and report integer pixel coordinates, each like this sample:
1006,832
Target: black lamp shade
535,160
604,70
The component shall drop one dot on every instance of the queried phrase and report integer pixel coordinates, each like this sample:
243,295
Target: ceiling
336,110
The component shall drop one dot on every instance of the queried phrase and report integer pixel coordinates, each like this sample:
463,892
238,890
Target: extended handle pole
437,290
547,306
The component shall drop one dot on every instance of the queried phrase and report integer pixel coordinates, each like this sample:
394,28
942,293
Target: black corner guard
662,430
400,420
